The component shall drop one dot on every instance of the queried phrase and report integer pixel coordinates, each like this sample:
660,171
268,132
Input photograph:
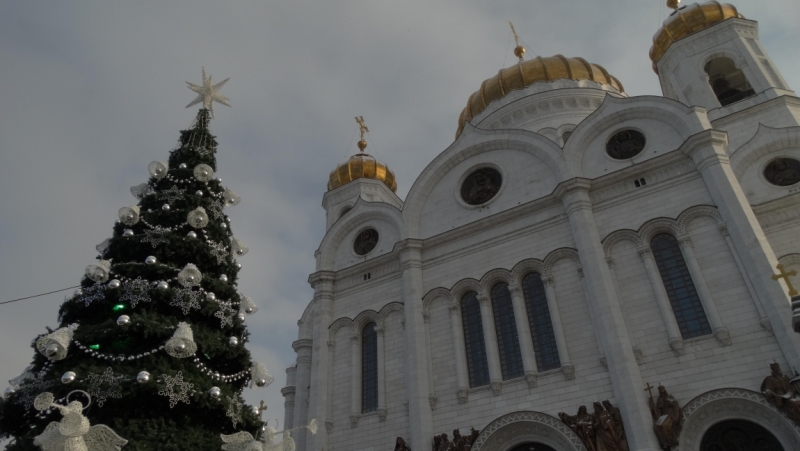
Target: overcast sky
93,91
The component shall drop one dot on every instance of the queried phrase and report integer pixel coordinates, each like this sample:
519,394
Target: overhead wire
38,295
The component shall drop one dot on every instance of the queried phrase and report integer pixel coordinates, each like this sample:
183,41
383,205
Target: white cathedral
573,245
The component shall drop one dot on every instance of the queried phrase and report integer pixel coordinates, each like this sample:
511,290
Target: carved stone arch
389,309
493,277
558,254
306,323
697,211
361,213
513,429
474,141
685,120
738,61
715,406
462,287
524,267
340,323
364,318
619,235
653,227
789,259
765,141
436,293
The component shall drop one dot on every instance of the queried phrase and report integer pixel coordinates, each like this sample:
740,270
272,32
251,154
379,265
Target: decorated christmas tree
149,354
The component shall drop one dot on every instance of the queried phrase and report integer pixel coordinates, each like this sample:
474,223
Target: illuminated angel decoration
73,432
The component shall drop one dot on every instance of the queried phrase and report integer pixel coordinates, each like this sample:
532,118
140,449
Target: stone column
426,317
420,417
708,150
636,351
490,340
379,331
524,334
567,366
355,379
606,315
723,229
329,406
288,393
662,300
461,355
303,378
320,392
720,331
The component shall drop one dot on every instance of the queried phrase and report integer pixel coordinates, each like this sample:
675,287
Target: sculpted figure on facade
781,394
667,416
620,428
600,431
583,425
459,442
401,445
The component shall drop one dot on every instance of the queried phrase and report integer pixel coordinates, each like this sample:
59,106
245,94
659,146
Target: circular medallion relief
365,241
625,144
783,171
481,185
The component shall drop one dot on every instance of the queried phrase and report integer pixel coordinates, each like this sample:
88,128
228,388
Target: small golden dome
361,165
526,73
688,20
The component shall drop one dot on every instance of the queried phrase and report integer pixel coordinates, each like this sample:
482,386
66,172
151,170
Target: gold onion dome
362,166
526,73
687,20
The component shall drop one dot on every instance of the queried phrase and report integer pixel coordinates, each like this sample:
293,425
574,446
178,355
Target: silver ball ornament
162,285
114,283
68,377
51,350
198,193
223,278
182,166
238,266
123,320
249,310
228,219
165,207
254,410
191,234
215,392
180,347
143,377
223,225
150,260
211,296
240,317
233,342
8,391
261,383
219,180
127,233
77,292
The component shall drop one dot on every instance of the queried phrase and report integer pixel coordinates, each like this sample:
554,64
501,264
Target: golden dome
688,20
526,73
361,165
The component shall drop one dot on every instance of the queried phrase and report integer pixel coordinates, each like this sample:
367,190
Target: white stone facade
583,220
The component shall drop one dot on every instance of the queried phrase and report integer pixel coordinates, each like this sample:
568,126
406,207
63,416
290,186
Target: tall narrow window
506,329
729,83
680,289
474,344
544,339
369,369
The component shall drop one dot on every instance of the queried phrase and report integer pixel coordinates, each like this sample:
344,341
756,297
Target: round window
365,241
481,185
625,144
783,171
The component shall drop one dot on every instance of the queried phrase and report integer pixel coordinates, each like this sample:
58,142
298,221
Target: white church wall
525,178
369,296
776,113
388,236
340,390
755,185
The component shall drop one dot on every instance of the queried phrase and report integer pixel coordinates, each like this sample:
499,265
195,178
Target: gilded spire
519,50
362,144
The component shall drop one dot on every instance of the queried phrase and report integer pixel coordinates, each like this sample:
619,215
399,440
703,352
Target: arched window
369,369
729,83
680,289
474,345
544,339
506,329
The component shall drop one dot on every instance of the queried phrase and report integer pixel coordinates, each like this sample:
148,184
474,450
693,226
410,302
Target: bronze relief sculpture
599,431
667,416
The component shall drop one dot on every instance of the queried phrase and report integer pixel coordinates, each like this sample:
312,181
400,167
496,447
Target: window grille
544,339
474,344
506,330
369,369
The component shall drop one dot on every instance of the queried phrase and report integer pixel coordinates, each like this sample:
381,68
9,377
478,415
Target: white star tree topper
207,93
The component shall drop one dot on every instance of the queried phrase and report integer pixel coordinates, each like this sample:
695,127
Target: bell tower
709,55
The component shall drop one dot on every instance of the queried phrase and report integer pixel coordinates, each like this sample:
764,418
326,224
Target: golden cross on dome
363,128
261,407
783,274
518,50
